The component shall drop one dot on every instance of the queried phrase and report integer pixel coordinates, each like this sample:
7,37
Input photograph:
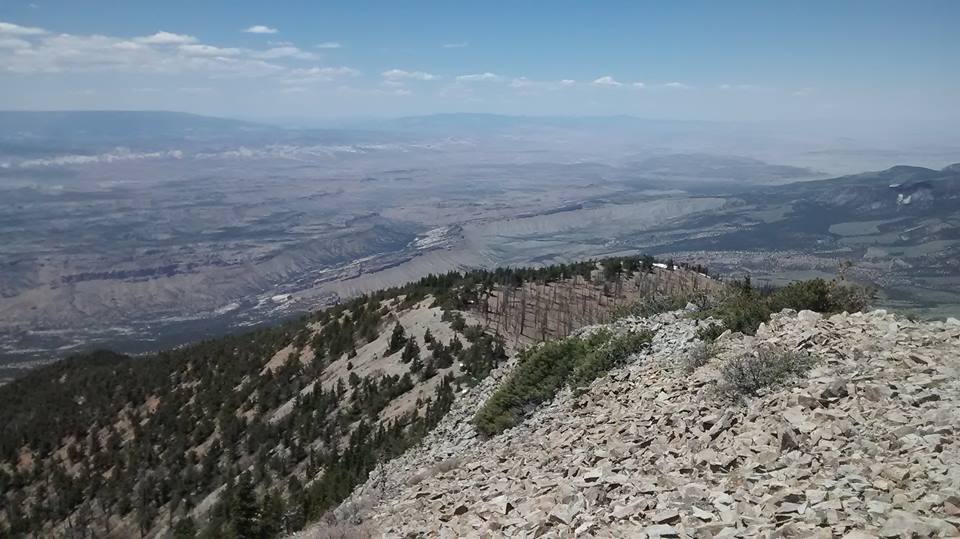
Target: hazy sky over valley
893,64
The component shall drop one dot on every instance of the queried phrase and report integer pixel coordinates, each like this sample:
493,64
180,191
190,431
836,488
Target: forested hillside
257,434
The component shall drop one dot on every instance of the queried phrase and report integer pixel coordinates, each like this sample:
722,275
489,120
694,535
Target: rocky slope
865,444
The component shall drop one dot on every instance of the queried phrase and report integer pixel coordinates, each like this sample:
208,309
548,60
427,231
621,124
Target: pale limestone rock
864,445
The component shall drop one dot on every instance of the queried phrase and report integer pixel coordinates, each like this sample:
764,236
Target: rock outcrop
866,444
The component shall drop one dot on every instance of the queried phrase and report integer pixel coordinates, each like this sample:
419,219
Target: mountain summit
862,445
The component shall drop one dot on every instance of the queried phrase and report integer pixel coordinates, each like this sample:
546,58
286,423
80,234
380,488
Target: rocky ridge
865,445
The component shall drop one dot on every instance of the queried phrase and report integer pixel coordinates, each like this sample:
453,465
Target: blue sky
861,61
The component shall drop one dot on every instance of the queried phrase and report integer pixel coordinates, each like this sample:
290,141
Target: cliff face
864,443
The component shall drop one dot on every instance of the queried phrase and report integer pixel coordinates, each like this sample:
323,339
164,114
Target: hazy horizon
862,66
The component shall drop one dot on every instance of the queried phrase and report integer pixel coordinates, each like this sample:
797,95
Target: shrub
698,356
543,371
605,356
710,332
771,366
744,308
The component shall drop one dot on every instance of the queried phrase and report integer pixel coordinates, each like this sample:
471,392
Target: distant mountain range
110,124
46,131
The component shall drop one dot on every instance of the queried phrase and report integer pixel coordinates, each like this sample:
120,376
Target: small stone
661,530
701,514
670,516
834,390
625,511
809,318
895,473
904,524
788,440
925,398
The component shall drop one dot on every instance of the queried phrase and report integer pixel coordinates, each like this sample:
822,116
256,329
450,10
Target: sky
870,62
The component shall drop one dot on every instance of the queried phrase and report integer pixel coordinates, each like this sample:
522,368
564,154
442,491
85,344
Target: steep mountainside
863,445
255,435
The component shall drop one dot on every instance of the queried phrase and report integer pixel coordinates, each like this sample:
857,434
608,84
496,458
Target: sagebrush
770,366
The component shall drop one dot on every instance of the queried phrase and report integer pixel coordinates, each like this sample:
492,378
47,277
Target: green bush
543,371
606,354
771,366
744,308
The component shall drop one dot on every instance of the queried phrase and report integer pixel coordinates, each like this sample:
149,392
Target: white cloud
607,80
678,85
163,53
329,45
285,52
459,45
320,74
166,38
57,53
261,29
400,74
17,30
13,43
478,77
208,50
530,86
639,85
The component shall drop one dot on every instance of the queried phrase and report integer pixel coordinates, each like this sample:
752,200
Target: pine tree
429,370
272,515
185,528
410,351
397,339
245,510
417,364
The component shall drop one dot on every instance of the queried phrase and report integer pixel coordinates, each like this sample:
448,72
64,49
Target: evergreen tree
397,339
410,351
245,510
272,515
185,528
429,370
